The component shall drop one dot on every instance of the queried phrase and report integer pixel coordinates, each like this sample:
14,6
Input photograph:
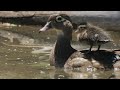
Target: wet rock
97,65
117,66
95,60
77,61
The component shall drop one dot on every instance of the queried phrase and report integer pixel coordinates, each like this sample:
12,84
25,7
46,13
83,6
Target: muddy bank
40,18
23,18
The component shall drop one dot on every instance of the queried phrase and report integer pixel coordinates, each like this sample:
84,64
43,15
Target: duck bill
46,27
76,31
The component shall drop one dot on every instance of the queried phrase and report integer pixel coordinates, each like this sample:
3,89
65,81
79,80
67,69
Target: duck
63,55
92,35
62,48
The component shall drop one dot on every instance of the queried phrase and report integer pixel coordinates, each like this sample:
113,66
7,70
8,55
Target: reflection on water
21,38
24,53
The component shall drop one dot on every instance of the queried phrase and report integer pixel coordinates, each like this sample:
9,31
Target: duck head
58,21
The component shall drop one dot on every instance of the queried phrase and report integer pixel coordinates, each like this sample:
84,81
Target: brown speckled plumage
92,35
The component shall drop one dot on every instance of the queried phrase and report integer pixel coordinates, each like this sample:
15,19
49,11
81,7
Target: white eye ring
60,19
82,26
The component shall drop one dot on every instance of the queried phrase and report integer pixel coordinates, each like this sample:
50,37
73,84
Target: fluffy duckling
92,35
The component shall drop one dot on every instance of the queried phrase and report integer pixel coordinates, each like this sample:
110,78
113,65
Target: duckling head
82,27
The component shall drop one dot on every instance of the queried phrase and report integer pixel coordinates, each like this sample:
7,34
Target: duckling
92,35
62,48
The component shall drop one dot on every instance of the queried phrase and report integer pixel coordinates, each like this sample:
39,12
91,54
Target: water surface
24,54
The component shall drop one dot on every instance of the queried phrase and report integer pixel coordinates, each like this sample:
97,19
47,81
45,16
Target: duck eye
59,19
82,27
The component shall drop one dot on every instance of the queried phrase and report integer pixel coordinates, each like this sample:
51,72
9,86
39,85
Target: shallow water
24,54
